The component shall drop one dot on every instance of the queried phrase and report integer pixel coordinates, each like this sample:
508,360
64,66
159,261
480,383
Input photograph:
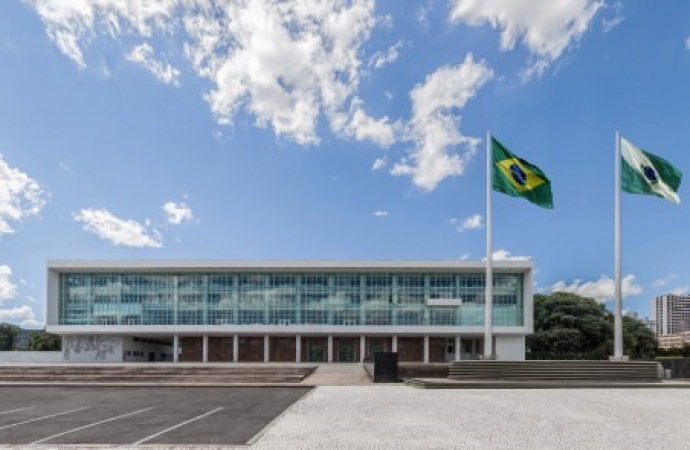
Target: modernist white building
287,311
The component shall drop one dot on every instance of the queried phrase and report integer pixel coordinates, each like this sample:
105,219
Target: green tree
8,332
570,324
40,341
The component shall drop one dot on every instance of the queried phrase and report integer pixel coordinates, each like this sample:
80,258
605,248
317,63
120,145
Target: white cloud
8,290
546,27
118,231
380,213
465,255
680,290
361,126
176,213
617,19
165,73
433,127
20,196
664,281
380,59
24,315
504,255
601,289
285,63
471,223
379,163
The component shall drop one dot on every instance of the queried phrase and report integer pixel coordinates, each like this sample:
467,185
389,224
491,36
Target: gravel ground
399,417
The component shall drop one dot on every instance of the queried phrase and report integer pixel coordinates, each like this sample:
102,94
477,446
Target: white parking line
90,425
176,426
13,410
44,417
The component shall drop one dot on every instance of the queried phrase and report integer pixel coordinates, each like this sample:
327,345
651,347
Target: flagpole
617,307
488,302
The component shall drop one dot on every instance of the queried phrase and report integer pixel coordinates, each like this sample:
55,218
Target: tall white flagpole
617,307
488,302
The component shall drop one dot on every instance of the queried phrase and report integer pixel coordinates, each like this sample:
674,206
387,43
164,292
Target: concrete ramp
334,374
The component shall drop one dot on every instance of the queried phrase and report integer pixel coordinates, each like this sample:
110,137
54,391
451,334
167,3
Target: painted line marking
44,417
13,410
177,426
90,425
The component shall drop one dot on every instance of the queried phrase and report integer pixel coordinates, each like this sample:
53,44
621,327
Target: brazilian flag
515,176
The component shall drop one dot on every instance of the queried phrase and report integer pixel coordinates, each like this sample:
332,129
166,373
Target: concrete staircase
164,374
620,372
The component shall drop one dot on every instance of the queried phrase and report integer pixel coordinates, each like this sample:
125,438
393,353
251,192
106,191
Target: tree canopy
567,323
8,333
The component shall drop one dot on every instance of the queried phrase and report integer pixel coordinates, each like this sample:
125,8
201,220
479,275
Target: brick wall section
219,349
437,350
192,349
251,349
282,349
411,349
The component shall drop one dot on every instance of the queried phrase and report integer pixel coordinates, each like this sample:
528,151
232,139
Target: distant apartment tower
672,314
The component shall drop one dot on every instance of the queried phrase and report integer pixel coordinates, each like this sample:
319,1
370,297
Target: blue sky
337,130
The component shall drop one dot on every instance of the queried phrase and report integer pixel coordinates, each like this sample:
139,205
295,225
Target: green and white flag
645,173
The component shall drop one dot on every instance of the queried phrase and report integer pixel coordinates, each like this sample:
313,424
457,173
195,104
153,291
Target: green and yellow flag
515,176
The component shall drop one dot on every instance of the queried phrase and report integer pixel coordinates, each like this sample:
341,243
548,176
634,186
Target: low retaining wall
31,357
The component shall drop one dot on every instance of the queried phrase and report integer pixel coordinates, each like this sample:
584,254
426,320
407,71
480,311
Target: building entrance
315,352
346,350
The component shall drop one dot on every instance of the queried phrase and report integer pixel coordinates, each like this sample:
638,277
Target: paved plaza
399,417
343,417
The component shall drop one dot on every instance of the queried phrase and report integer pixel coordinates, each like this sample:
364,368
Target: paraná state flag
516,177
645,173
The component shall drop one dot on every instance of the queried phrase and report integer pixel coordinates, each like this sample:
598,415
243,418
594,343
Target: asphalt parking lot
139,415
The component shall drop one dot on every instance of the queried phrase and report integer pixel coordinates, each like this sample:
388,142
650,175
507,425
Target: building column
298,348
267,343
395,343
176,348
426,349
474,347
235,348
330,348
362,347
205,348
458,352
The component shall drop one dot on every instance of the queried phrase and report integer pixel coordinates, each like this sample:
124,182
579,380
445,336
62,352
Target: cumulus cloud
505,255
379,164
363,127
165,73
176,213
285,63
380,213
118,231
664,281
8,290
474,222
617,19
546,27
24,315
680,290
380,59
601,289
434,128
20,196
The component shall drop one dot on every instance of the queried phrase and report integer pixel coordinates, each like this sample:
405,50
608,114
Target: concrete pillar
205,348
474,347
426,349
235,348
330,348
176,348
458,353
267,343
395,343
362,348
298,348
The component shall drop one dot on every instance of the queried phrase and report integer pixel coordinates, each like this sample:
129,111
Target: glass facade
338,299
